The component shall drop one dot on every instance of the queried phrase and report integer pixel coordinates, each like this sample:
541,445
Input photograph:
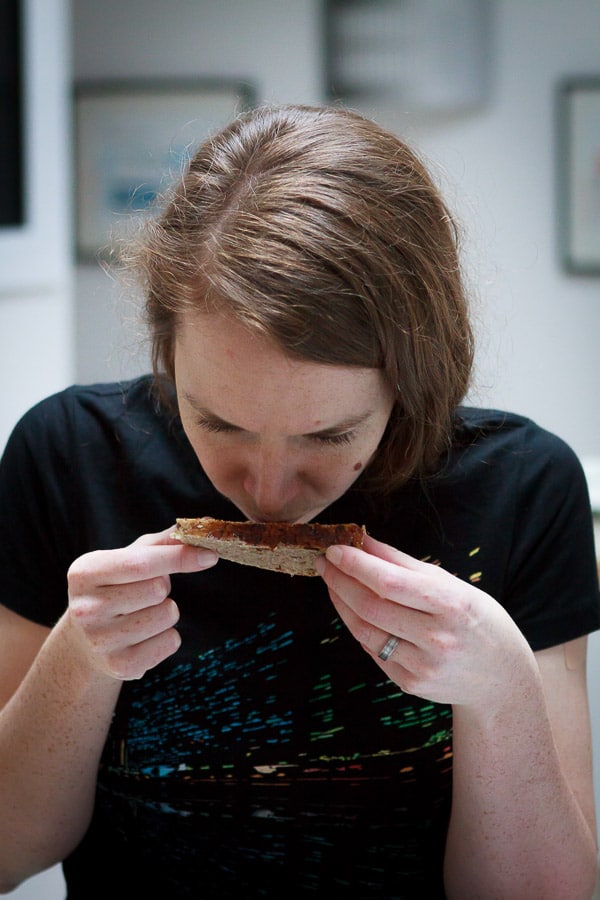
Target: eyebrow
348,424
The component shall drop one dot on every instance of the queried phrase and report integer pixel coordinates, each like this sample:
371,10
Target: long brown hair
326,233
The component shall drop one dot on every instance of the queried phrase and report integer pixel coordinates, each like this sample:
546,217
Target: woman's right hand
120,610
60,687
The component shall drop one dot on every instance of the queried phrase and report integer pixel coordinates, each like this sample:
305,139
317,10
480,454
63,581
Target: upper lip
264,521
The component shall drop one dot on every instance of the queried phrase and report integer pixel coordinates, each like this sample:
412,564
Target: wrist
517,684
76,660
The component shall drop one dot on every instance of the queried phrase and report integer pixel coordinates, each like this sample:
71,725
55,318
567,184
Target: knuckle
143,540
86,610
122,666
387,583
373,609
172,642
444,642
419,679
365,634
81,571
173,610
156,590
409,683
134,664
463,608
82,609
138,564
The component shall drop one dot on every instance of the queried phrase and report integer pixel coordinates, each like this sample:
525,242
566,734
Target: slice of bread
279,546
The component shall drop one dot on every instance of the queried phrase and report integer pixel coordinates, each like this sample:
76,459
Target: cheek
222,469
338,471
212,458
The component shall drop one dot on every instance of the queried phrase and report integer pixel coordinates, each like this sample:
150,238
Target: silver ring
388,648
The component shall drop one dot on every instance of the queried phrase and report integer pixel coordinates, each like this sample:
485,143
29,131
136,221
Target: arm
522,823
63,687
523,800
564,679
52,730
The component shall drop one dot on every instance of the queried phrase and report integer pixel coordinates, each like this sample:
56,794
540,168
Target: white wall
36,321
36,309
539,327
275,46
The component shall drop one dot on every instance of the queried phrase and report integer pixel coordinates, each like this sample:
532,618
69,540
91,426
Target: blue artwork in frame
132,139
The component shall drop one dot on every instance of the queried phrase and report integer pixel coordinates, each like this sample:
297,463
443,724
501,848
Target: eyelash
332,440
215,427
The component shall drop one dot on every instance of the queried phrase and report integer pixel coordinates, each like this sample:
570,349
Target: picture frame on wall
132,139
579,174
12,212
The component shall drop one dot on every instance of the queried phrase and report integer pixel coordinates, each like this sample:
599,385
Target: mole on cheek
357,466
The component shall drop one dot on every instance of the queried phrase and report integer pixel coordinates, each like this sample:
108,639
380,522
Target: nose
272,481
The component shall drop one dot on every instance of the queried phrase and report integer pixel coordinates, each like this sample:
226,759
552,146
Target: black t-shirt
269,755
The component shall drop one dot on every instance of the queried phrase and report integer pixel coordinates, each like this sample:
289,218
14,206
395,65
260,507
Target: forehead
244,378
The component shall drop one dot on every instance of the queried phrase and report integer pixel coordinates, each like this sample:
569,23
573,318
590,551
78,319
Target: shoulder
500,427
527,490
94,406
515,472
509,439
111,399
88,427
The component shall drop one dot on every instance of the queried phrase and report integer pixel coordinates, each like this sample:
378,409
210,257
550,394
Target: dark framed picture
579,174
12,211
132,139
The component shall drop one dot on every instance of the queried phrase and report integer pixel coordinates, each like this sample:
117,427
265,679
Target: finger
409,584
159,537
123,599
190,553
374,638
123,631
137,659
404,669
390,554
367,606
139,562
388,649
191,559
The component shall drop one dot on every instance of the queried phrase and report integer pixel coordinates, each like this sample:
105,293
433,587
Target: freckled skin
254,417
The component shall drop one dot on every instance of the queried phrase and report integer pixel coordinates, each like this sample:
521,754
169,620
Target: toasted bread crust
312,536
278,546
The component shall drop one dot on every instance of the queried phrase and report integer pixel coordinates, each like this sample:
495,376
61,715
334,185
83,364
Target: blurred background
499,96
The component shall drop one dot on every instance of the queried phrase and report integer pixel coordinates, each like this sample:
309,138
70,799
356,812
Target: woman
414,723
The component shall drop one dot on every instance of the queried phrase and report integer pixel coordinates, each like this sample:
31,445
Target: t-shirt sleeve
37,497
552,583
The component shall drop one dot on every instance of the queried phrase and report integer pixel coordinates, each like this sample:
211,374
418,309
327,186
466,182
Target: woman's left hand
522,822
456,643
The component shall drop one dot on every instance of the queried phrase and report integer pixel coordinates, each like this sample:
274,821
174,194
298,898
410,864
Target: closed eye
336,440
216,426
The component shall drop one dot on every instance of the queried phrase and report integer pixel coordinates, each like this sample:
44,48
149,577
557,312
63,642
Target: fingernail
320,564
207,557
334,554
